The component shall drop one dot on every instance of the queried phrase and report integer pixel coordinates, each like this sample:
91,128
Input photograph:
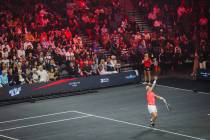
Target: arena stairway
88,42
135,14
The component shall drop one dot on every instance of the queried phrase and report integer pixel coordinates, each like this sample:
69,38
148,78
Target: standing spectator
162,60
195,64
203,56
147,62
177,58
168,60
155,62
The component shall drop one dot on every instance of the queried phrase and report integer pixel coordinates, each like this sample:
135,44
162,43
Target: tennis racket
168,106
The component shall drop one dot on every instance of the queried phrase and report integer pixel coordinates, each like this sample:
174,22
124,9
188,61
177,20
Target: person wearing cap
151,96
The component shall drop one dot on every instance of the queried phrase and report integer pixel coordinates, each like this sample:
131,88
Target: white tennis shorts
152,108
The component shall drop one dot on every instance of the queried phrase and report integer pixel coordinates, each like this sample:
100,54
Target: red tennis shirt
150,98
147,63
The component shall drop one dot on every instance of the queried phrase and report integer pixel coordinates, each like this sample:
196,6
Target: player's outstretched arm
159,97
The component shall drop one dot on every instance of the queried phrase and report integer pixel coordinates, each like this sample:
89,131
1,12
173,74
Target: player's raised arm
154,82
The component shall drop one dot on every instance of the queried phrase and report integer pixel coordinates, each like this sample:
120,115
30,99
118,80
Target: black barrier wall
67,85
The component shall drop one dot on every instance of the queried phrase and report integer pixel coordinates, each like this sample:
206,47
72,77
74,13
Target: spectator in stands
87,70
115,63
56,71
94,68
110,67
51,74
39,34
42,74
3,78
28,76
63,71
21,76
101,70
11,78
5,61
102,67
72,70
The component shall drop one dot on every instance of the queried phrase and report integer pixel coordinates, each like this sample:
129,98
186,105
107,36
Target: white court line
58,113
8,137
50,122
184,89
133,124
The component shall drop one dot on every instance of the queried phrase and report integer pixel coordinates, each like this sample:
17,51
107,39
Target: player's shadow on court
142,134
148,133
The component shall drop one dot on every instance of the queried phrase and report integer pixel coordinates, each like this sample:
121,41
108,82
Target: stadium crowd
38,44
182,28
40,41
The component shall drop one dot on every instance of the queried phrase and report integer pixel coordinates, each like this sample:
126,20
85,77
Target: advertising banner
67,85
203,74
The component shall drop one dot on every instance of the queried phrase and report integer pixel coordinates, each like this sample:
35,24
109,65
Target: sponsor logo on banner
205,74
104,80
74,84
131,76
15,91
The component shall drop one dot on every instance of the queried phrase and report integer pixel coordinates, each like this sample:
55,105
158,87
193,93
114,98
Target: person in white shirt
102,68
5,52
43,75
26,44
6,61
21,52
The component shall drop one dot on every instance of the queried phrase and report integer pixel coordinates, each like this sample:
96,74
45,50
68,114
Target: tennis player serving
151,102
